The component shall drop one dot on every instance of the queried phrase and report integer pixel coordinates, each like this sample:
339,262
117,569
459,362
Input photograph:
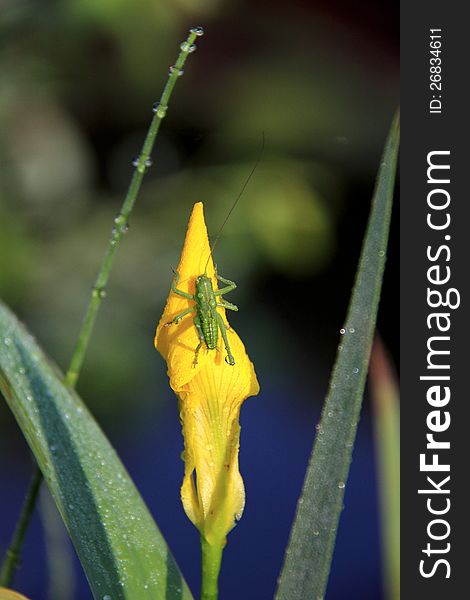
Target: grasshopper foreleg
178,292
225,290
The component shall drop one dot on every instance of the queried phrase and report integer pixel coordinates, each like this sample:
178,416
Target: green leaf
310,549
386,403
118,543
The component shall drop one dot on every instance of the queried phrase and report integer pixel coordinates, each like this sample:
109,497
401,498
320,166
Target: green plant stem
121,221
211,560
141,163
14,550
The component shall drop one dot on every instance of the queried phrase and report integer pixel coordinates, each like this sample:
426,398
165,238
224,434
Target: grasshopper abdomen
206,310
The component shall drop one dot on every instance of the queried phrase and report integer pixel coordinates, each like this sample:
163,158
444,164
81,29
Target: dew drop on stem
197,30
159,109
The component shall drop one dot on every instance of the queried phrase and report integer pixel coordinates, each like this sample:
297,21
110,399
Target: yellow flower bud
210,396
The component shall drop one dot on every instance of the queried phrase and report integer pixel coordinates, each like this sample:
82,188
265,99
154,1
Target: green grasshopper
207,320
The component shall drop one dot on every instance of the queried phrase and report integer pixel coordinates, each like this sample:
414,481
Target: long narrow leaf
121,550
386,403
310,549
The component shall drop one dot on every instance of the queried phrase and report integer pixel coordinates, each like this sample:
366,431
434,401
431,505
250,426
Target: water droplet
107,597
7,341
148,162
342,331
317,426
22,370
355,370
136,161
341,485
174,69
160,109
316,532
99,292
381,253
340,347
71,506
351,330
189,48
330,414
197,30
53,448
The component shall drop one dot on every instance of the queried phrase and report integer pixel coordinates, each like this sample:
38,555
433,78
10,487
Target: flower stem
141,163
211,560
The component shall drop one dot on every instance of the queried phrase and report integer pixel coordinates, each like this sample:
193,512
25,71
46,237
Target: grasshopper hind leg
223,330
200,333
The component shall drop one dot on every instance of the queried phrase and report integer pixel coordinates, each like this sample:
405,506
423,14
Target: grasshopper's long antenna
247,181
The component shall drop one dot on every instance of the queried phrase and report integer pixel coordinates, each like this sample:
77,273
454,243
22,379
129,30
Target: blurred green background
78,80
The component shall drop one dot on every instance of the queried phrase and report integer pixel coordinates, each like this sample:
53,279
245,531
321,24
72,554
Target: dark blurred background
78,80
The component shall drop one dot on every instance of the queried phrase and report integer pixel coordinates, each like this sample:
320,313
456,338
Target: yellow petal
7,594
210,396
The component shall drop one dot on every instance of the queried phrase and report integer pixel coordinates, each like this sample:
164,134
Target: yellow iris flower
7,594
210,396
